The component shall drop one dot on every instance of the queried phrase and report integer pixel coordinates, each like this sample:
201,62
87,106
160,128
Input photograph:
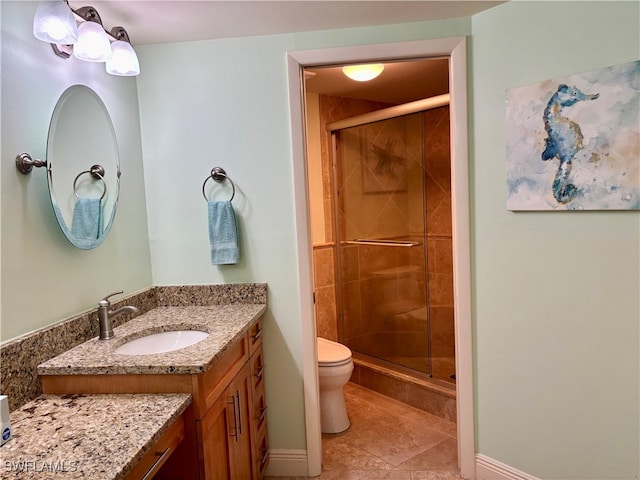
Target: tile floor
389,440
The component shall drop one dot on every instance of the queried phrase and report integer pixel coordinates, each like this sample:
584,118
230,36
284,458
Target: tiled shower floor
389,440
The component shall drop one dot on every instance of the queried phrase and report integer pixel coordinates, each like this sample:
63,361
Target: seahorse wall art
573,143
564,138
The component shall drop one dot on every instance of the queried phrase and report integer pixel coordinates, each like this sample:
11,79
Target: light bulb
93,43
54,23
123,60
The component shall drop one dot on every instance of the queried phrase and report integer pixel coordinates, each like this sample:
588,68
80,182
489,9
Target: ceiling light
55,23
363,73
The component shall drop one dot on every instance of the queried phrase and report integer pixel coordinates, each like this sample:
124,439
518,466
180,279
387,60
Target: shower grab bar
383,243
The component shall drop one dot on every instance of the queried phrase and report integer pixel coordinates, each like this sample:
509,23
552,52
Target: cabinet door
240,442
215,438
225,435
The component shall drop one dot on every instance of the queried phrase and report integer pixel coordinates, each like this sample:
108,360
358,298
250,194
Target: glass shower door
382,252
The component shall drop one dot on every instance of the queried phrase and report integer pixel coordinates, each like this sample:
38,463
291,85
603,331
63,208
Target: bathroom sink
162,342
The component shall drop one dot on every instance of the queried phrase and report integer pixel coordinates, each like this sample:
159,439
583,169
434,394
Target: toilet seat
332,354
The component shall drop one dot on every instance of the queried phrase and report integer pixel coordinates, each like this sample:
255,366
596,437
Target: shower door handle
383,243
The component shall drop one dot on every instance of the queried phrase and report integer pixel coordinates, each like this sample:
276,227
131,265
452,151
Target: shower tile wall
331,109
325,290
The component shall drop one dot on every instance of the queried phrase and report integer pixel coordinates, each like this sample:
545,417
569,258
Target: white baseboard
287,463
293,463
489,469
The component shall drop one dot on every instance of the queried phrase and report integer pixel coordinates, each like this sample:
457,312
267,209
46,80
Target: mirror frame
111,197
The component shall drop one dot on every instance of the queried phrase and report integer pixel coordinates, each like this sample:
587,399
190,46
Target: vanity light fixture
55,23
363,73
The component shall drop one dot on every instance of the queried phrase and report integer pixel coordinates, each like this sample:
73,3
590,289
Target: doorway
454,49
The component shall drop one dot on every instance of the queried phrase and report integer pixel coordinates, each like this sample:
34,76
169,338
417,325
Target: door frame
455,49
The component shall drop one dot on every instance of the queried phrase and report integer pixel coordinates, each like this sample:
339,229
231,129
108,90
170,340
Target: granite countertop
101,437
225,324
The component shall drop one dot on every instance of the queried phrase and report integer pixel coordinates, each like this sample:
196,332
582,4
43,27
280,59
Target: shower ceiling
400,82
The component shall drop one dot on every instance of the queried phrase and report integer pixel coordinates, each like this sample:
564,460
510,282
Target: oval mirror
83,170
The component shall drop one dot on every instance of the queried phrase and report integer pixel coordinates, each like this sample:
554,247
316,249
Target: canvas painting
573,143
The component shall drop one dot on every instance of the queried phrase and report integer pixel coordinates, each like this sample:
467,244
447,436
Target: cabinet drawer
259,409
257,370
255,336
208,387
261,455
153,460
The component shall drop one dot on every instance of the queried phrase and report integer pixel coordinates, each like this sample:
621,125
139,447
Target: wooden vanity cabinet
226,424
230,419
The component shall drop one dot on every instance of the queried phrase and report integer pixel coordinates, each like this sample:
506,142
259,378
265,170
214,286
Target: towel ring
97,172
218,175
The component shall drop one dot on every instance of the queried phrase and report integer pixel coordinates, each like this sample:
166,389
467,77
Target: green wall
226,103
44,278
557,313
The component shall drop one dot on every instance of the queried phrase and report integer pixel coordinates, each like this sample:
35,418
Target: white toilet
334,371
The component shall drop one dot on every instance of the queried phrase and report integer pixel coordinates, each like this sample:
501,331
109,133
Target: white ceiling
160,21
163,21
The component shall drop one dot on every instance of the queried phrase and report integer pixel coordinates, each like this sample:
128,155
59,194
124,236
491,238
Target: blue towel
86,224
223,234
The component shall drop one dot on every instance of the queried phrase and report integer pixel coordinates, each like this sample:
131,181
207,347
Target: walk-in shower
393,238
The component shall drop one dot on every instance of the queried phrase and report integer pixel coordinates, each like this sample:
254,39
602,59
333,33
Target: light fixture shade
93,43
54,23
123,60
363,73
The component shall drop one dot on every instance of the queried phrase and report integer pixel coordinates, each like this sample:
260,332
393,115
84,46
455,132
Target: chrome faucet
106,316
